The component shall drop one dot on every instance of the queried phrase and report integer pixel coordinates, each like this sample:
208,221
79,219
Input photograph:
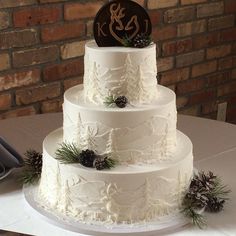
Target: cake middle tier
144,133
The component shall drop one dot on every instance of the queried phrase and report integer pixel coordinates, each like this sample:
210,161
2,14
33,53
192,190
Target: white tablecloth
214,149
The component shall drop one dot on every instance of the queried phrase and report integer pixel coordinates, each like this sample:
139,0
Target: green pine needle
197,219
109,101
110,163
30,176
127,42
68,153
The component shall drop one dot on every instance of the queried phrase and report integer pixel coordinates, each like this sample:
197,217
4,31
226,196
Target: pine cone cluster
215,205
101,163
141,41
121,101
34,160
87,158
199,193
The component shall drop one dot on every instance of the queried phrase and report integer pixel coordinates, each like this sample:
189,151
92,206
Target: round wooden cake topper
120,19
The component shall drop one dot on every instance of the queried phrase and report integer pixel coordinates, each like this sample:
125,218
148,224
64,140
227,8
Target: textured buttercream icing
155,160
125,194
120,71
144,133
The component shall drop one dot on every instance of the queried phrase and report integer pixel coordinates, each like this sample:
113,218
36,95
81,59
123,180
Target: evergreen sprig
32,167
196,218
206,192
110,101
68,153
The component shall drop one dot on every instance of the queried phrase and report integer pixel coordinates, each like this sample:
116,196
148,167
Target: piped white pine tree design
111,147
65,197
131,79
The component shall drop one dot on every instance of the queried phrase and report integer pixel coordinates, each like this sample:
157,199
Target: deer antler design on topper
116,15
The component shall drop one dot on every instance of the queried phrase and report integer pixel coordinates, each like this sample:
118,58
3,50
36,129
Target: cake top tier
122,23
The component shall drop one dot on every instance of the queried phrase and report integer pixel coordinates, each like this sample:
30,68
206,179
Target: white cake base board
163,225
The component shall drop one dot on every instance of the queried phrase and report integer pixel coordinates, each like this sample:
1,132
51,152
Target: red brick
191,28
190,86
5,101
52,106
174,76
175,47
210,9
74,11
35,56
4,61
156,4
231,115
206,40
36,16
201,97
218,78
230,6
189,58
74,49
226,89
24,111
19,79
218,51
188,2
4,20
221,22
14,39
140,2
179,14
50,1
228,35
37,93
156,17
163,33
225,63
209,107
234,74
164,64
16,3
72,82
63,31
204,68
231,101
64,70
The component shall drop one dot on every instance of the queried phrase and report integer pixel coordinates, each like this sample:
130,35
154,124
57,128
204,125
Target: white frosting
108,196
118,71
144,133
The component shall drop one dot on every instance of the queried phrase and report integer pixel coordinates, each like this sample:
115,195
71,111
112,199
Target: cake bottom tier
125,194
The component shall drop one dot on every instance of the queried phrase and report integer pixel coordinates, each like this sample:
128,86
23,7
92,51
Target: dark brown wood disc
119,19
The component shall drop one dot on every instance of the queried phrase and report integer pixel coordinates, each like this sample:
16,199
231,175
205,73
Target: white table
214,149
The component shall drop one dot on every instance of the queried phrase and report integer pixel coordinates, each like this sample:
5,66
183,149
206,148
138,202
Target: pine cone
87,158
215,205
121,101
100,163
34,160
141,41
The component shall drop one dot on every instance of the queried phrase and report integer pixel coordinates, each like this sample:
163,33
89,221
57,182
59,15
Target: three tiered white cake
155,160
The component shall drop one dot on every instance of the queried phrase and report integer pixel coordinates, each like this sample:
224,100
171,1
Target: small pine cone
100,163
141,41
87,158
215,205
121,101
35,160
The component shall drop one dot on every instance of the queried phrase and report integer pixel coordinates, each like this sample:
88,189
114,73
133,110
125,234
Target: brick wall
42,47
